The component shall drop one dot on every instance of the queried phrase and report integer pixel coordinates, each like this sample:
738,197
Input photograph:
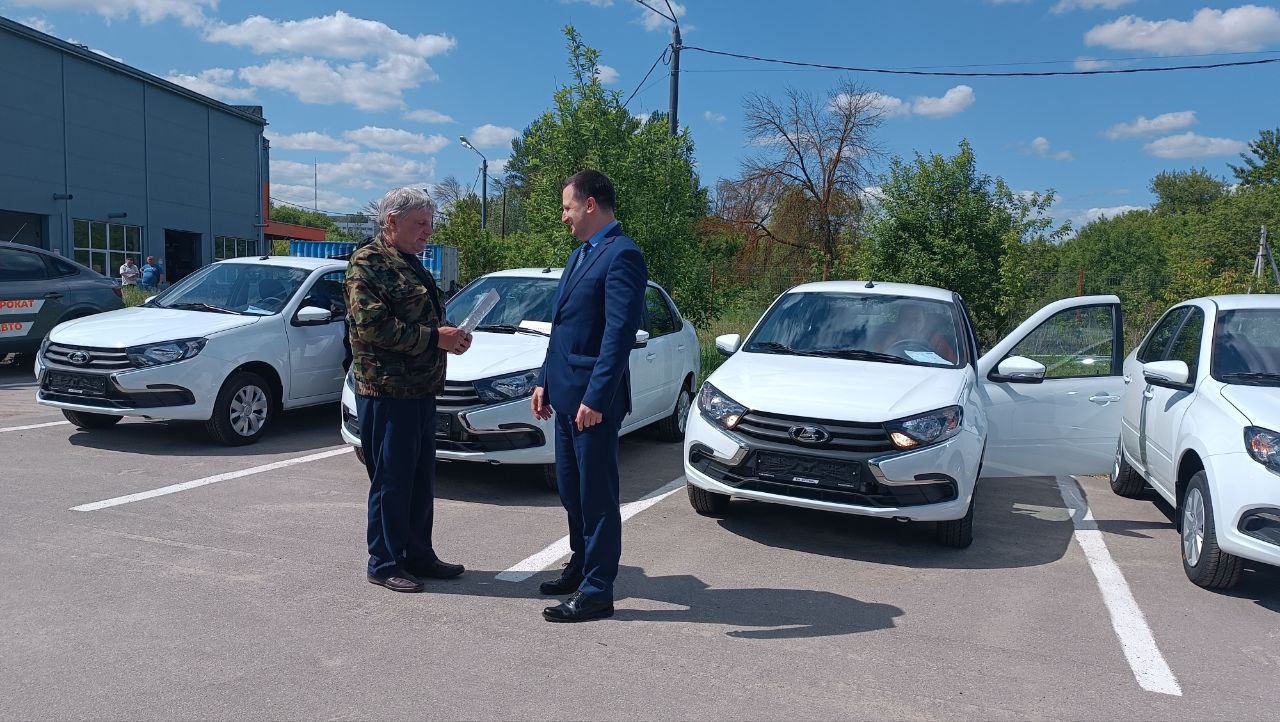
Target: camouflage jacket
393,317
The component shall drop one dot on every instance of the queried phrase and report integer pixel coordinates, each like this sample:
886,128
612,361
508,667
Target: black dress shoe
397,583
579,608
569,581
435,570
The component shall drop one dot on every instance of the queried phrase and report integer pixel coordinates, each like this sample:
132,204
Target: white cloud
303,195
103,53
607,74
954,101
310,140
1041,147
396,140
716,118
886,105
339,36
214,82
1067,5
1094,214
492,136
642,117
1165,123
380,87
188,12
653,21
357,170
498,167
1091,64
40,24
1191,145
1245,28
428,116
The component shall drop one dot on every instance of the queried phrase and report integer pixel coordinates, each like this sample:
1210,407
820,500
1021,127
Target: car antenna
870,284
547,269
264,258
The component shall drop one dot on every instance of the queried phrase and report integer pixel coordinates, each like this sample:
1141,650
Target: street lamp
484,181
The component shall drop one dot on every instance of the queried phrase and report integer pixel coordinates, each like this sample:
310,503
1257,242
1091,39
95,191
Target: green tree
1265,170
1182,192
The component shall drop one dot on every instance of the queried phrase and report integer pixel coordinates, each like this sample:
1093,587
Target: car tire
958,533
1125,480
1204,562
86,420
548,474
360,455
245,407
707,503
672,427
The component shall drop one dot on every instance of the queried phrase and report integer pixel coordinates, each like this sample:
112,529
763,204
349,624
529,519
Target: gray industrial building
99,160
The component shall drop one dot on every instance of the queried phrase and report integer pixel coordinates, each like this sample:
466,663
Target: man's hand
454,340
587,418
541,409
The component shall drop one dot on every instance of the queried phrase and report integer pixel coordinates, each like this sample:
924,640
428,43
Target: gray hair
400,201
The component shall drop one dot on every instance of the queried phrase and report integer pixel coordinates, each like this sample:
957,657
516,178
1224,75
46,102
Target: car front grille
846,436
457,395
87,358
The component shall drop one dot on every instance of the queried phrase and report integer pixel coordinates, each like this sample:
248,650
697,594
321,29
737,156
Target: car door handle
1128,379
53,295
1103,399
651,356
1148,393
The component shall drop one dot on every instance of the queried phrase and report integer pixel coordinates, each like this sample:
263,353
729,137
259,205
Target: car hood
836,389
138,325
494,354
1261,404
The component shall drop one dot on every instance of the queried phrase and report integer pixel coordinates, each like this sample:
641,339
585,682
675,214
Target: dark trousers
399,441
587,472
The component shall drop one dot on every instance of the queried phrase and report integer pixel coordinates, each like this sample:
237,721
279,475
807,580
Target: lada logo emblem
78,358
810,434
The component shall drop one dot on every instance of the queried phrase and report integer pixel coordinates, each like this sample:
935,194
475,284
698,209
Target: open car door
1052,391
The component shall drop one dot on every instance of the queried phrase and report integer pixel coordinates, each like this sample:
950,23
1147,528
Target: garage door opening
25,228
181,254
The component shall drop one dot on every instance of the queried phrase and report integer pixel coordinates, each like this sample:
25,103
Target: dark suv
39,290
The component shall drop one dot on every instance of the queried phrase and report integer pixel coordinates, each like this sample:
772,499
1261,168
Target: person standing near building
152,275
399,345
129,272
586,381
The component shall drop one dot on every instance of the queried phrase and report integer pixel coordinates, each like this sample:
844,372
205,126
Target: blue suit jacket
598,310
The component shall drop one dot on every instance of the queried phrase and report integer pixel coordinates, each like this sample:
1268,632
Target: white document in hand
483,306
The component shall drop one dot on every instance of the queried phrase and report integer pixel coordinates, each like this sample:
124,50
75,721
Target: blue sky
378,93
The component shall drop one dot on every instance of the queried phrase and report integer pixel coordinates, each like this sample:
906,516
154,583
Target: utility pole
315,184
504,210
1260,263
484,192
675,79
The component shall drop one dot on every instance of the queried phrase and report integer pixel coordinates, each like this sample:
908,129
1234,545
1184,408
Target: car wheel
1125,480
360,455
85,420
958,533
707,503
672,428
1205,564
243,410
548,474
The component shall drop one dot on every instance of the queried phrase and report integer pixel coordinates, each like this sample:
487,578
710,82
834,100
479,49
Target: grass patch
134,296
739,321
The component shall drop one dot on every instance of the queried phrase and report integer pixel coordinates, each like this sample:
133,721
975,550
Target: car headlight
351,380
505,388
1264,446
156,354
925,429
719,408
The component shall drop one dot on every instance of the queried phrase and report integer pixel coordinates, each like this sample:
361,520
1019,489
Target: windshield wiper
857,354
1253,376
509,328
198,306
772,347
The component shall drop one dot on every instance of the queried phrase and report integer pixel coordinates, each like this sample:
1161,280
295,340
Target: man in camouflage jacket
399,345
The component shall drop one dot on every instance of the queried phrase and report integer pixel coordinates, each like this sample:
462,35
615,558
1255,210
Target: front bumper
1246,507
931,484
185,390
505,433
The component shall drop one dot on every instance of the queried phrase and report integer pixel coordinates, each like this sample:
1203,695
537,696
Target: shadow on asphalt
1017,523
769,613
302,430
1260,583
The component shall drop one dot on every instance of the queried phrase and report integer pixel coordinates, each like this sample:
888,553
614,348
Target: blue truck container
442,261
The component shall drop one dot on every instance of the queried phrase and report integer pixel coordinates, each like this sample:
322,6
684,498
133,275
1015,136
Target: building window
104,246
227,247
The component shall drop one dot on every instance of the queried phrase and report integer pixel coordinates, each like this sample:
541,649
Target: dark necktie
582,258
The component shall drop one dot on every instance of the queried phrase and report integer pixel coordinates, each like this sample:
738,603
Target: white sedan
484,413
1202,426
231,345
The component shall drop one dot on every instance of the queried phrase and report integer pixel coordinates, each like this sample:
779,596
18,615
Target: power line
992,65
659,59
959,74
659,12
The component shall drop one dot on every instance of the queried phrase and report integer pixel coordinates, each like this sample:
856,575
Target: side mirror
1020,370
312,316
642,338
728,344
1170,374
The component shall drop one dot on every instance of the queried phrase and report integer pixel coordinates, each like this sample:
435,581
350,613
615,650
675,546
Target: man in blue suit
586,380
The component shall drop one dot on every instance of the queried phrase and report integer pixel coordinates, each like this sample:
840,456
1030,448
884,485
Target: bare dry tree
804,184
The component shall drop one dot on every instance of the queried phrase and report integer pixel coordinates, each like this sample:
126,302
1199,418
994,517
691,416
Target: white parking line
34,426
175,488
1139,645
560,549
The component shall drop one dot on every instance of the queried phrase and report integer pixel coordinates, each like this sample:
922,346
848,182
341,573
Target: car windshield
519,300
242,288
1246,347
861,327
